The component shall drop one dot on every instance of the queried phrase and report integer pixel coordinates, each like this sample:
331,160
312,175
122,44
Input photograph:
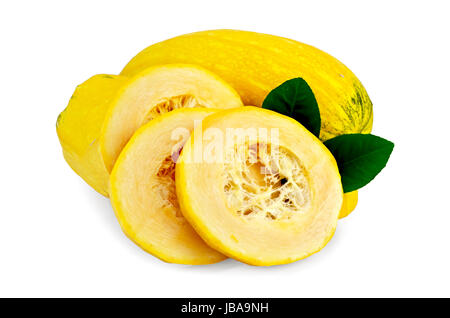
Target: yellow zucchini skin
348,204
255,63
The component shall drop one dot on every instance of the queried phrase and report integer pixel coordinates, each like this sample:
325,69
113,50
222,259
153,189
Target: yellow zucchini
255,63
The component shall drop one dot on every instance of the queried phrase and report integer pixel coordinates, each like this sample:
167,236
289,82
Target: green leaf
360,157
294,98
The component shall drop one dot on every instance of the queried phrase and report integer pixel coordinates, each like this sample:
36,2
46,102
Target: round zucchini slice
155,91
143,190
265,190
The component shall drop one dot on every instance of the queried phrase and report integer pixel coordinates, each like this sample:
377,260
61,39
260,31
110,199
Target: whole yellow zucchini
255,63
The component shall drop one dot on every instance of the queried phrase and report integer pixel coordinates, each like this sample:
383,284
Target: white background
58,237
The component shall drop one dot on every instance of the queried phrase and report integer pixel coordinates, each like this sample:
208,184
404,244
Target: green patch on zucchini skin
358,109
364,105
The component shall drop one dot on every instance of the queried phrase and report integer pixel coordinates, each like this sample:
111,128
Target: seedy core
166,171
166,185
266,182
172,103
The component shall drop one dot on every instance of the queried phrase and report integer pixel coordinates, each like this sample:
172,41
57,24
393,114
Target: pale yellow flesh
139,195
79,127
200,190
152,87
349,203
255,63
